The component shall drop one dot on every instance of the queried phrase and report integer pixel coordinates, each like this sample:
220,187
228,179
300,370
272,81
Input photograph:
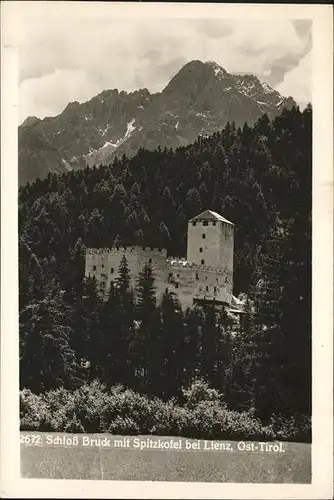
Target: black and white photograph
165,203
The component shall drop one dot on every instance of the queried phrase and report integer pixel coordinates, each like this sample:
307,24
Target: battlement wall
149,251
180,265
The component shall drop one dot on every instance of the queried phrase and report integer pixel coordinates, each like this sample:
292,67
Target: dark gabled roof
211,216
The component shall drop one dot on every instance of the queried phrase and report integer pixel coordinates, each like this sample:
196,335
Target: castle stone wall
104,265
207,273
203,243
226,245
205,282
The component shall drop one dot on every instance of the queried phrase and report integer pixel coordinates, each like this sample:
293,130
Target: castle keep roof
210,216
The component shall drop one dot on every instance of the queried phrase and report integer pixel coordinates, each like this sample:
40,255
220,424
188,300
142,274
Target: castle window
194,224
203,236
111,270
197,276
176,285
177,275
205,223
226,280
202,262
214,289
201,250
166,290
214,223
94,268
170,277
206,288
102,265
150,261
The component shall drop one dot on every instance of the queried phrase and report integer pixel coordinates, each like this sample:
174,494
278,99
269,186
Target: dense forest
258,177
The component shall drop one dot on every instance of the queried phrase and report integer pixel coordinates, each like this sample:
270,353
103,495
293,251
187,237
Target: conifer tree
124,327
172,346
149,325
209,345
146,293
123,280
47,360
193,320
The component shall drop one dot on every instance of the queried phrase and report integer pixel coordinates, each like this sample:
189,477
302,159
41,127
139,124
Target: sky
73,57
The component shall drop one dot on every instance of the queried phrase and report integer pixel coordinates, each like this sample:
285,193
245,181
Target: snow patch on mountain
105,130
129,128
267,89
66,164
218,70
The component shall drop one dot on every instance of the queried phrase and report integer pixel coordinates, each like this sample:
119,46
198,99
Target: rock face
199,99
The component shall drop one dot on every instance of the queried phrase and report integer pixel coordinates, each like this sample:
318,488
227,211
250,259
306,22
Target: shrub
60,408
293,428
90,403
93,408
129,405
200,391
124,425
33,412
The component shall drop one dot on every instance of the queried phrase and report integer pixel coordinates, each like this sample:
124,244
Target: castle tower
211,241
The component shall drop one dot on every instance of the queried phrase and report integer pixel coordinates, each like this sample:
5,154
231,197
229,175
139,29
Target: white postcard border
12,485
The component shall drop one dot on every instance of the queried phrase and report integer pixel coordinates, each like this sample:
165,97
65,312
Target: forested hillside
259,178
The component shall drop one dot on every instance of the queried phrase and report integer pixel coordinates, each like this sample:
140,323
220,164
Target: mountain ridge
198,100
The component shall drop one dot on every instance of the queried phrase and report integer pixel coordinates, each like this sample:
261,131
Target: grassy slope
68,462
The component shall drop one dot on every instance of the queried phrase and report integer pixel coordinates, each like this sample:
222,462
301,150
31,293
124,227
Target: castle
205,276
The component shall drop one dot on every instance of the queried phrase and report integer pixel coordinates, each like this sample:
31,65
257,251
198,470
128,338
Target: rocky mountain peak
218,70
199,99
30,120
